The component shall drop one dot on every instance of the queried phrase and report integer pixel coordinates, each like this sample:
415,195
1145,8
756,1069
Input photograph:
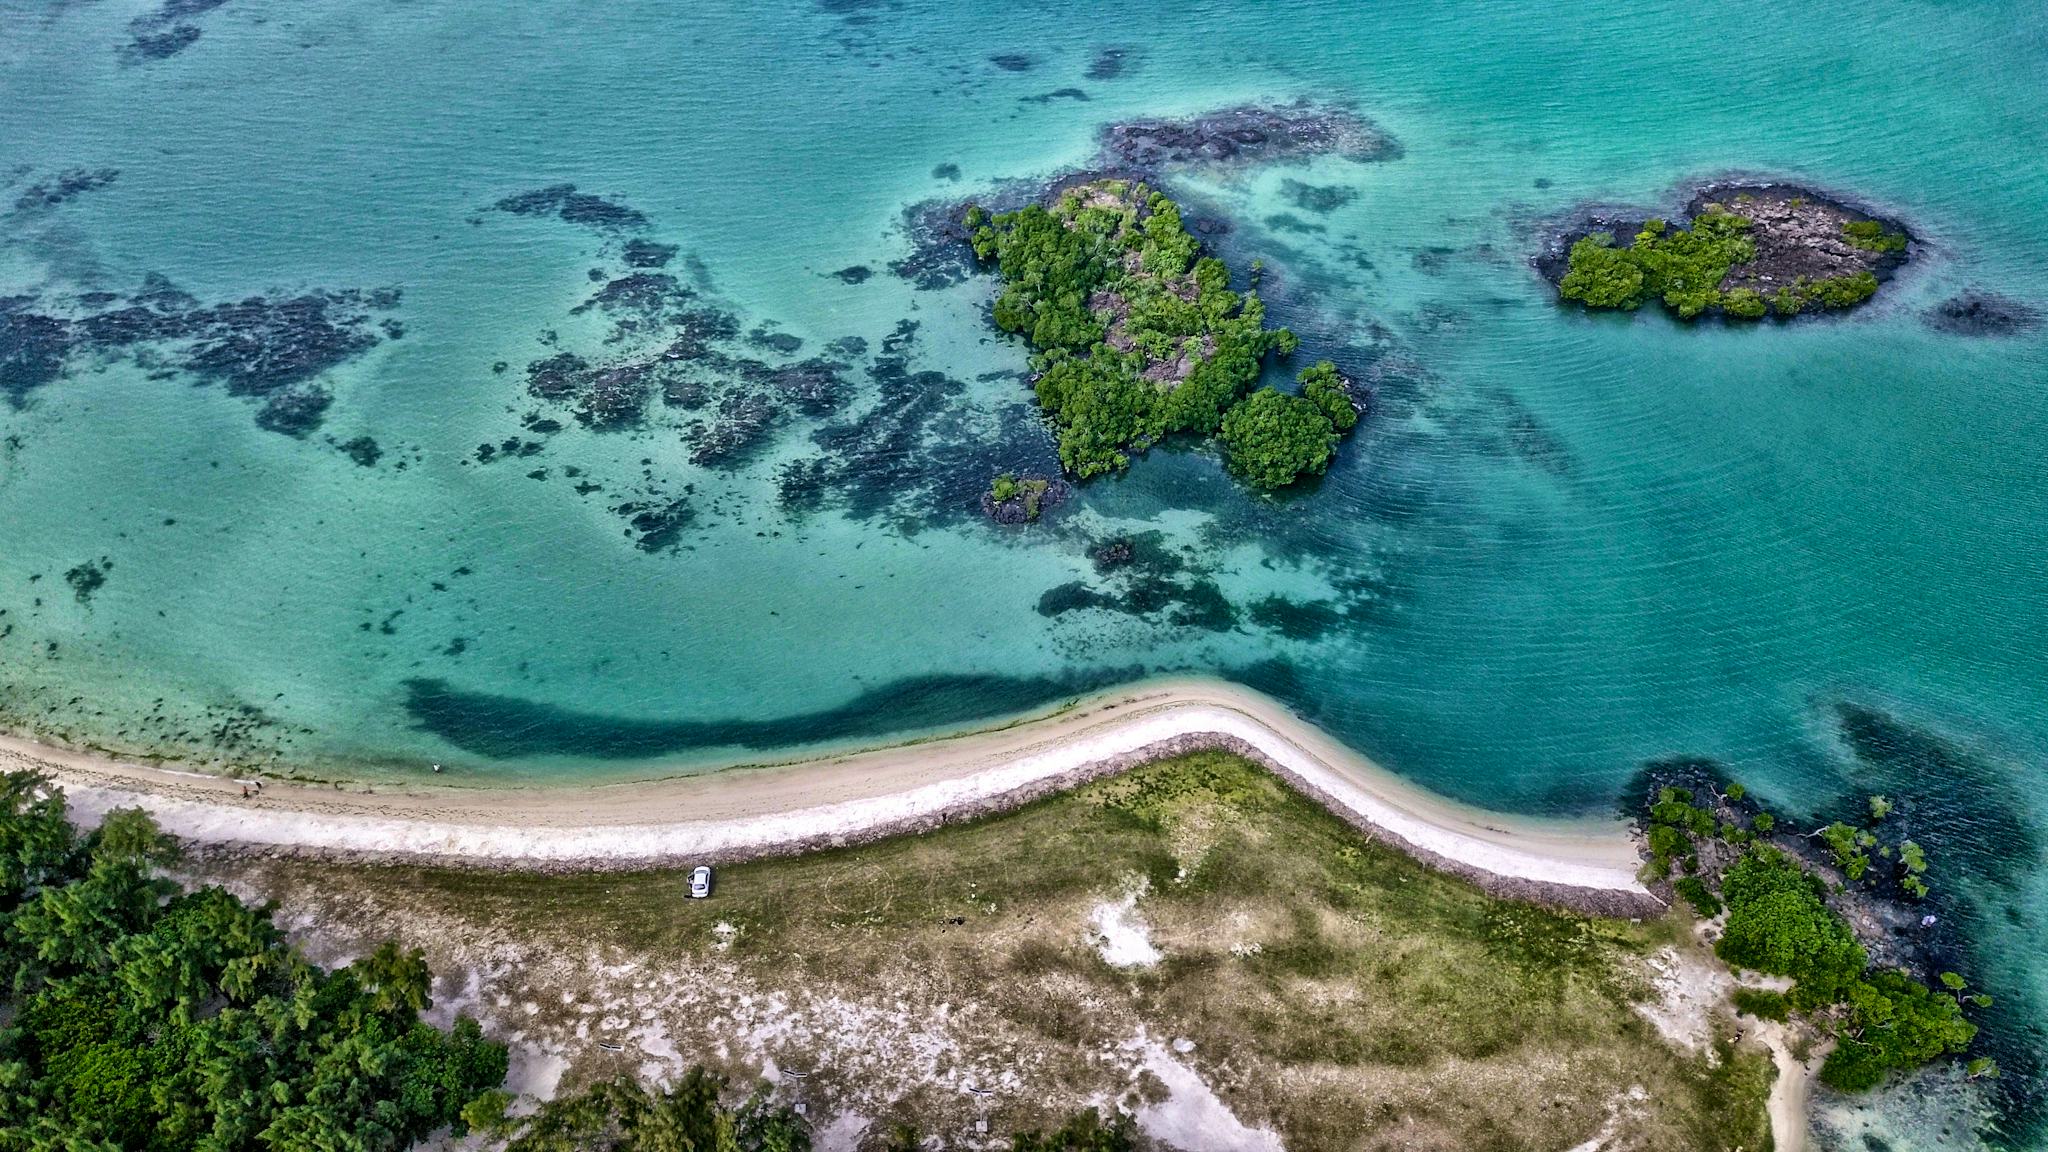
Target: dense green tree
1137,334
1893,1021
622,1116
1322,383
1779,923
1599,275
145,1017
1273,439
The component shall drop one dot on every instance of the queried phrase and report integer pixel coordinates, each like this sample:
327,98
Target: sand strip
780,809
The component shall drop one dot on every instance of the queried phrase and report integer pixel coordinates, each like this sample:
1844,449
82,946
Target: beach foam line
743,813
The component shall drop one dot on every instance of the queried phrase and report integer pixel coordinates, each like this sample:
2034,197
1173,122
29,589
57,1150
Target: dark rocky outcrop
1978,313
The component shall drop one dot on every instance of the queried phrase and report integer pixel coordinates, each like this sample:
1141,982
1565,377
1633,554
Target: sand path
805,804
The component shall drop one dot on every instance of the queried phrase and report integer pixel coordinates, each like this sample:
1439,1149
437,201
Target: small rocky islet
1742,251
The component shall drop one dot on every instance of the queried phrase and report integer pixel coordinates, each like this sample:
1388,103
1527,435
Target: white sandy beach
754,811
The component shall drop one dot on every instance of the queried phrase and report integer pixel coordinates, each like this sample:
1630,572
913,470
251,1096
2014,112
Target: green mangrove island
1137,335
1745,251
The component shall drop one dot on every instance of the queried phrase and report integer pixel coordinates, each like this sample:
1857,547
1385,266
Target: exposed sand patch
1691,991
1121,936
797,806
1192,1117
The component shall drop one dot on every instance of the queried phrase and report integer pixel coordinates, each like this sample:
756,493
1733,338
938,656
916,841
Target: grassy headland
1192,915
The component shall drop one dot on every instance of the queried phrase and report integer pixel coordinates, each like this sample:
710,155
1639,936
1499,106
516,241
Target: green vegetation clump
1684,268
1698,895
1680,266
1872,236
141,1016
1779,923
622,1116
1031,490
1272,438
1763,1003
1137,335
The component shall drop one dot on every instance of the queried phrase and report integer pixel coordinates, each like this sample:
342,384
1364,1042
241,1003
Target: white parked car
700,882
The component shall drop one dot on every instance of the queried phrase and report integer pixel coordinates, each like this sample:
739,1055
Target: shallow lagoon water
1561,546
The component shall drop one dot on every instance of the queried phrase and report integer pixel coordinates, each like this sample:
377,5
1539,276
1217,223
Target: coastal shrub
1322,383
1779,923
1272,438
620,1115
1893,1022
1744,304
1698,895
1136,333
1599,275
1842,291
1762,1003
1847,847
1763,823
143,1016
1873,236
1667,842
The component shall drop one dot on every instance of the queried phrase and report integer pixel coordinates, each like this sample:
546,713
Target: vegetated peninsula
1837,929
1137,335
1744,251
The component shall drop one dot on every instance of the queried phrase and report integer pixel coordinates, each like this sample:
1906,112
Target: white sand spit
751,811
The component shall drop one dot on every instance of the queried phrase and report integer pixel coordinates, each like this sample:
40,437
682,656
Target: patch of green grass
1356,998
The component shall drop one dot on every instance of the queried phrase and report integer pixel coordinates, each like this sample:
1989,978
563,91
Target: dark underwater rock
1978,313
1110,63
648,254
1320,199
657,526
1246,134
165,32
63,186
363,450
269,348
88,578
573,207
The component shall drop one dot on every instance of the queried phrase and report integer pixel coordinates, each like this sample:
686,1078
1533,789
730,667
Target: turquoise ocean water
1561,546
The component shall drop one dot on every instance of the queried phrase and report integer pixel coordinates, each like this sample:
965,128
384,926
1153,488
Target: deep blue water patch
503,727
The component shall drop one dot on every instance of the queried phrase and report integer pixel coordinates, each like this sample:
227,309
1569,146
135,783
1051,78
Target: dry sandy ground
761,810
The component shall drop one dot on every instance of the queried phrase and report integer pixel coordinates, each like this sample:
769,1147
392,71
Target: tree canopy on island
1685,268
1138,336
140,1016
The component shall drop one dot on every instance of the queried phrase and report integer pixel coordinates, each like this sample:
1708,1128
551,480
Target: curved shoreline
742,813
